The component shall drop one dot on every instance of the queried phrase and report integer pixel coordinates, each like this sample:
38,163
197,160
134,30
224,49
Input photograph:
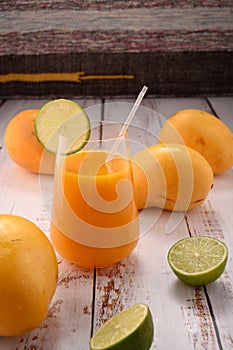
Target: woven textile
94,48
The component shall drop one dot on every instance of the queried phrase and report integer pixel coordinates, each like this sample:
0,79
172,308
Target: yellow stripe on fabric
72,77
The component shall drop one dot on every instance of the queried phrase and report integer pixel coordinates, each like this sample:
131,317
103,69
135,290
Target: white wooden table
184,317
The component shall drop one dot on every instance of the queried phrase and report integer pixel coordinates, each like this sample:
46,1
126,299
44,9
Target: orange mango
24,148
28,275
203,132
171,177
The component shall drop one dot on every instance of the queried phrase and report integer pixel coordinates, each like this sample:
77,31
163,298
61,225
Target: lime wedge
52,116
130,329
198,260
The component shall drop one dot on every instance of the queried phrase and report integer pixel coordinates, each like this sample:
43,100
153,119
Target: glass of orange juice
94,219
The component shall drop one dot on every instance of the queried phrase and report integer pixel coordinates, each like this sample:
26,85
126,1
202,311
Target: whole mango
23,147
171,177
203,132
28,275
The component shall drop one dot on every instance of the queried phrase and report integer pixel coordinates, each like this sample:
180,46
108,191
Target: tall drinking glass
94,219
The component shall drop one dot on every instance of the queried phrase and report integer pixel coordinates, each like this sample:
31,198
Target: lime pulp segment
129,329
198,260
62,113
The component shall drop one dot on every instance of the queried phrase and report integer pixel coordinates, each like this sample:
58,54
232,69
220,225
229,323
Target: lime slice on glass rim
130,329
198,260
53,115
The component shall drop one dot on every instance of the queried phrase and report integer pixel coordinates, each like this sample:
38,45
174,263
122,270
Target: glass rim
103,123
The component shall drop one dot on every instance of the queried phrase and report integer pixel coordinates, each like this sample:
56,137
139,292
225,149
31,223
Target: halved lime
130,329
53,115
198,260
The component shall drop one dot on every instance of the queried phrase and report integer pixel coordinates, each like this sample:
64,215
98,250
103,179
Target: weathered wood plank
200,318
214,218
12,177
146,277
145,125
223,106
69,321
169,106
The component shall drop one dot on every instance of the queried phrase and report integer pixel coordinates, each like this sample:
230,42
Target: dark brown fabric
185,73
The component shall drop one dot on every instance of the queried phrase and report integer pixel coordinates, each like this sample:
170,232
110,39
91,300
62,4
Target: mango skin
203,132
28,275
23,147
172,177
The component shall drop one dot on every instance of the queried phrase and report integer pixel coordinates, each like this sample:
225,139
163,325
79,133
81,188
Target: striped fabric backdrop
79,48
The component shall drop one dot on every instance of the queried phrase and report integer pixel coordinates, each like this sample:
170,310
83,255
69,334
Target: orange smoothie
94,217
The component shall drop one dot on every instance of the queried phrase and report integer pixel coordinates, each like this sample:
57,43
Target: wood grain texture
69,321
184,317
223,107
183,309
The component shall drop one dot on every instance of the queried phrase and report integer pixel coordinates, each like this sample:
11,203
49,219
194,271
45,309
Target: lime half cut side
198,260
130,329
56,114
